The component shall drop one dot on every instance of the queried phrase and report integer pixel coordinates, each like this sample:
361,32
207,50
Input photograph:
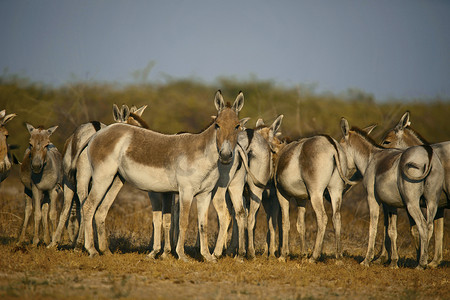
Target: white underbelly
149,178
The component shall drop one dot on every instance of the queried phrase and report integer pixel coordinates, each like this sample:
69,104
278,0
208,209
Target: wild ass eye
217,126
237,126
386,143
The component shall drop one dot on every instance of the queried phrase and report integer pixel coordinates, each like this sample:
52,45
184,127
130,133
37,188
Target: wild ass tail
409,161
73,165
337,159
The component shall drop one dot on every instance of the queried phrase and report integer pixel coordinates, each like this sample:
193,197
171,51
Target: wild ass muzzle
395,178
41,174
5,156
304,169
79,171
404,136
185,163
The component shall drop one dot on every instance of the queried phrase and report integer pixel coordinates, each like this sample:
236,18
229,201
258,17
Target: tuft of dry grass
38,272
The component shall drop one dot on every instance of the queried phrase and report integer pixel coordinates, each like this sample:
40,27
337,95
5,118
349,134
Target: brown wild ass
395,178
304,169
72,195
185,163
5,156
41,174
403,136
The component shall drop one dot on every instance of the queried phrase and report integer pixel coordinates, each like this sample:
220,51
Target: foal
185,163
395,178
41,174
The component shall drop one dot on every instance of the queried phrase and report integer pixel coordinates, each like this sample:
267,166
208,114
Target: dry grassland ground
41,273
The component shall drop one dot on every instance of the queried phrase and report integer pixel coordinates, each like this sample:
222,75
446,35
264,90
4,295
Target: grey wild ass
304,169
81,172
41,174
185,163
261,155
395,178
403,136
5,156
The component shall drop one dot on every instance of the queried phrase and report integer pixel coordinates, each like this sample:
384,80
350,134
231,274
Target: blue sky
391,49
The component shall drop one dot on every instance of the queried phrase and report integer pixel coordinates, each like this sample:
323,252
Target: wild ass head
39,145
271,134
402,135
5,164
227,126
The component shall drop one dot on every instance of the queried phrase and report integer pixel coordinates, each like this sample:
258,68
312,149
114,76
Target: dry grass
27,272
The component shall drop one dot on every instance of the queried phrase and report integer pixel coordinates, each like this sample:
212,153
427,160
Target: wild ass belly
148,178
386,190
291,182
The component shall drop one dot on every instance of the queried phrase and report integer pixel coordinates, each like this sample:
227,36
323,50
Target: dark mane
367,137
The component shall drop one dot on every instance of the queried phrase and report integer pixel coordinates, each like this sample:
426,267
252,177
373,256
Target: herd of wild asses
226,158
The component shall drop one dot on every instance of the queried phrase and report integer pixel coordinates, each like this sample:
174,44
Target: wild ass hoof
282,258
394,264
421,267
365,263
153,254
239,258
165,255
209,258
107,252
184,258
339,262
93,254
52,245
433,264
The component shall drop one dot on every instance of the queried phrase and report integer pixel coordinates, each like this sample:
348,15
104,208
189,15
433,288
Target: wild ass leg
28,210
44,219
392,231
156,202
100,186
438,238
416,214
224,217
185,201
67,204
301,229
272,208
236,190
336,201
84,175
53,195
102,212
386,242
73,224
255,202
166,216
284,205
175,219
37,198
374,212
203,201
322,219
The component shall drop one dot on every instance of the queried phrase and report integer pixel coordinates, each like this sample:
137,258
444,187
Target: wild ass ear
345,128
30,127
2,113
51,130
369,129
8,118
238,103
125,112
117,114
259,122
139,111
243,122
404,122
276,124
218,101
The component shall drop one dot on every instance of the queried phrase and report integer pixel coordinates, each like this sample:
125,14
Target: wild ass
41,174
403,136
74,193
5,156
185,163
304,169
395,178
